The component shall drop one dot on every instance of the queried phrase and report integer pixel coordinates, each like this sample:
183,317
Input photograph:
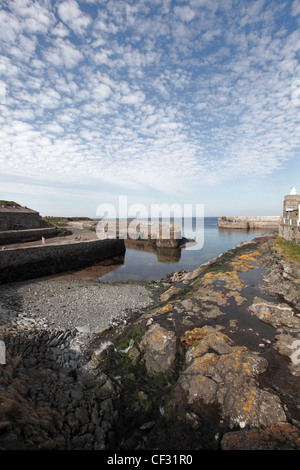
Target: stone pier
249,223
18,264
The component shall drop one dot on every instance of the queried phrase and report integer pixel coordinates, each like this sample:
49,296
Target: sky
161,102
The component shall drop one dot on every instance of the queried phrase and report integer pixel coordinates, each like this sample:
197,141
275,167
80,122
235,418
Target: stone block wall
32,262
17,236
290,233
248,223
10,219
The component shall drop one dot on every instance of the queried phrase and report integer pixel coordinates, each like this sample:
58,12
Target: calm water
143,265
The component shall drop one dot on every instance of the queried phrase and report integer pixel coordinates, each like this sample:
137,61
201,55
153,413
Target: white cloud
147,95
9,26
132,98
101,91
296,8
185,13
60,30
35,17
63,54
71,15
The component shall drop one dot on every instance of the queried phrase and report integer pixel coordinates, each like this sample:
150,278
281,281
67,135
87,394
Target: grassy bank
290,251
9,203
57,221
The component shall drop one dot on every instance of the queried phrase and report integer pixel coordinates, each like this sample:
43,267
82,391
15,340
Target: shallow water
250,331
141,265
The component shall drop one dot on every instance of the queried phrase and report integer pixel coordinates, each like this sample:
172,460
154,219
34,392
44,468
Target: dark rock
82,415
159,346
282,436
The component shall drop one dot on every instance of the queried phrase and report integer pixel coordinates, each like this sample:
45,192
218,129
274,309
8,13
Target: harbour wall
248,223
18,264
17,236
290,233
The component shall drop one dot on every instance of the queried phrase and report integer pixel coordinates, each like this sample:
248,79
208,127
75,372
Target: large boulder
159,347
216,373
275,314
281,436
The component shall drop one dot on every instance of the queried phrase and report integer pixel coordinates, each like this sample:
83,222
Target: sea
144,263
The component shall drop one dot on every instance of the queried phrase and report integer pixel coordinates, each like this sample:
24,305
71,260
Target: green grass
9,203
58,221
288,250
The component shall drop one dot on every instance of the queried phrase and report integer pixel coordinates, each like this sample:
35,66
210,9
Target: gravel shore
51,396
88,306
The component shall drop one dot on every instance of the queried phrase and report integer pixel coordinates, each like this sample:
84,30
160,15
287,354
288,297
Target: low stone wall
31,262
11,216
17,236
248,223
290,233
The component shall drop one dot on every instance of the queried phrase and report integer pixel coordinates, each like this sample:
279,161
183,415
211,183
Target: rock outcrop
208,339
214,365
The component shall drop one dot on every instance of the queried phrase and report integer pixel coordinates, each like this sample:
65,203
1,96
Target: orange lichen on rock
241,360
249,401
282,436
167,308
202,365
230,278
245,262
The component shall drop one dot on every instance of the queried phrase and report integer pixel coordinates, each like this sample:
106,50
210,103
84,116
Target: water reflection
164,255
144,262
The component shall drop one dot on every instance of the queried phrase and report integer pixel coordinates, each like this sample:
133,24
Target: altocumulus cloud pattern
146,96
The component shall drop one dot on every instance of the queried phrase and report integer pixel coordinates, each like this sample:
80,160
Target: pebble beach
85,305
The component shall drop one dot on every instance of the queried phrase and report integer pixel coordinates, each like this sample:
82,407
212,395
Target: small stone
147,426
82,415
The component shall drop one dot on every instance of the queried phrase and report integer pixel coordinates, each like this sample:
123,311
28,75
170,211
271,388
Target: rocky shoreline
205,359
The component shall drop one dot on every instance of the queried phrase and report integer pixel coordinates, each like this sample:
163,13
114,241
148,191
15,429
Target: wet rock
106,391
199,387
82,415
282,436
159,346
275,314
72,421
282,276
134,355
147,426
289,346
210,311
241,361
165,296
245,404
226,378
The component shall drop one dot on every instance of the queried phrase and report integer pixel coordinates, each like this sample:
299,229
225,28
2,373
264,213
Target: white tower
293,191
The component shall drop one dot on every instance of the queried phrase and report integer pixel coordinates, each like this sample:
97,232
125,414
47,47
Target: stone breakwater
207,365
18,264
16,236
249,223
